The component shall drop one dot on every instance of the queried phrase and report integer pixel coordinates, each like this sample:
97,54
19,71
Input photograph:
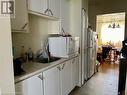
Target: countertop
33,68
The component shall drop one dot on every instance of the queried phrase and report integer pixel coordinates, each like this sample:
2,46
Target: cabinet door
65,75
39,6
65,15
76,66
75,72
20,21
30,86
52,81
54,8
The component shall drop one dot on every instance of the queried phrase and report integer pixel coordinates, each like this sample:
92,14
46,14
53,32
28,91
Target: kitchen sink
45,60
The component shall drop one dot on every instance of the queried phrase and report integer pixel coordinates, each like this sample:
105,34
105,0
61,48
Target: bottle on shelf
14,52
23,54
30,54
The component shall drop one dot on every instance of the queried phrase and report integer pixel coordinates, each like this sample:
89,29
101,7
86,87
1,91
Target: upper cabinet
45,7
54,8
65,15
40,6
20,22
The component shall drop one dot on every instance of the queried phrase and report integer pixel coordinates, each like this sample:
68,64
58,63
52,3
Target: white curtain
113,36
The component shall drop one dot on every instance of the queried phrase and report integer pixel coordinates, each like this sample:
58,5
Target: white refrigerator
91,54
88,49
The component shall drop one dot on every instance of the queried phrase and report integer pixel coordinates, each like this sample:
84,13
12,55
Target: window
113,36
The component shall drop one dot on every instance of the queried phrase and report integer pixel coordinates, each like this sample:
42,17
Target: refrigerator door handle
89,47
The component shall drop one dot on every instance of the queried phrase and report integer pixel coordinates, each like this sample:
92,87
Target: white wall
6,62
76,29
75,17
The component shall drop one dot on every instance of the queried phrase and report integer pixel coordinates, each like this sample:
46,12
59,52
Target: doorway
110,29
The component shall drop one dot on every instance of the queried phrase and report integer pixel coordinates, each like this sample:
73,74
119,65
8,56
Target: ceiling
105,2
111,17
99,7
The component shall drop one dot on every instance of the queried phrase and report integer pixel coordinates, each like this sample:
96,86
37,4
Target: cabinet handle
73,61
23,27
40,77
63,30
59,68
51,12
84,9
27,4
46,11
63,66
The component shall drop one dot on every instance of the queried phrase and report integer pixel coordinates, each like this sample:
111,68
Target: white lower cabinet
30,86
52,81
58,80
74,72
65,78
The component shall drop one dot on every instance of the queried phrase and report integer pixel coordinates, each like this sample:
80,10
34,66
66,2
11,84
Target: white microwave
63,46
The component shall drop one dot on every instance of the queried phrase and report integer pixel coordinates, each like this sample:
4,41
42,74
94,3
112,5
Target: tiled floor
105,82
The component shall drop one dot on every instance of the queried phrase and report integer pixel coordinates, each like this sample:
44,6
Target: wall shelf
43,15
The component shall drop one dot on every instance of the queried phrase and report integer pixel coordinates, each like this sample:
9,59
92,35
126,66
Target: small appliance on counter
17,65
63,46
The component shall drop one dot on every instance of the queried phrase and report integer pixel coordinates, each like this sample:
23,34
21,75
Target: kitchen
31,28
